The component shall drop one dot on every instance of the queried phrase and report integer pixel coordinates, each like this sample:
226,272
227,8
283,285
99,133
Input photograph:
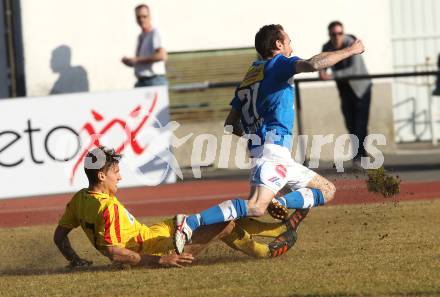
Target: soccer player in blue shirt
263,110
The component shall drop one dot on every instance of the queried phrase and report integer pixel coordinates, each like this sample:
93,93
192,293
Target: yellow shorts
157,239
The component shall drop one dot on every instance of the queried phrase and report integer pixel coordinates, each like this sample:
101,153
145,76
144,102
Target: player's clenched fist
176,260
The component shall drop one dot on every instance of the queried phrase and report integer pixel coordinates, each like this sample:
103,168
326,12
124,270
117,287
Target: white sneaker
183,233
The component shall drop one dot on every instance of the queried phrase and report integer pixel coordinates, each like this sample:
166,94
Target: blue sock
226,211
302,198
193,221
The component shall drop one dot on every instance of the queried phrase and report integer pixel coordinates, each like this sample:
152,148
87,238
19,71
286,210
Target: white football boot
183,233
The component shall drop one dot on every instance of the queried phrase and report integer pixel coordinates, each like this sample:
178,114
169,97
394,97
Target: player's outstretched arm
328,59
126,256
61,240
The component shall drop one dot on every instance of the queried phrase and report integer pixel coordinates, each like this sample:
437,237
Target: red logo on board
130,133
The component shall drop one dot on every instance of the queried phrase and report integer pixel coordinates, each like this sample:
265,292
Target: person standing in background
149,61
355,94
436,91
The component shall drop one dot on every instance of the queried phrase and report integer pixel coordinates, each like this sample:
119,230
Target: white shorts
274,168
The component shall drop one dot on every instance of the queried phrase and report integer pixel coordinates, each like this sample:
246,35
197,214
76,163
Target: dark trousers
356,112
157,80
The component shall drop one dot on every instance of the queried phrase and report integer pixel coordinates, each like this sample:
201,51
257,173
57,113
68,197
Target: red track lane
190,197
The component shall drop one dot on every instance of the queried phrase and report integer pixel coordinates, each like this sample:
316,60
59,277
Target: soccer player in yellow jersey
114,232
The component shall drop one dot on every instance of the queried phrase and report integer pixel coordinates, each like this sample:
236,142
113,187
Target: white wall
100,32
416,45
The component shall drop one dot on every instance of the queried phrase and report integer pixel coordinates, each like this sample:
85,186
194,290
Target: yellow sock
241,240
258,228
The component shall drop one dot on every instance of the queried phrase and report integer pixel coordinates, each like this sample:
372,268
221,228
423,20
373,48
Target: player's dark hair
100,159
265,39
334,24
142,6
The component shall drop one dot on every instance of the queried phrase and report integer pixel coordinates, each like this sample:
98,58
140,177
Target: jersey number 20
248,97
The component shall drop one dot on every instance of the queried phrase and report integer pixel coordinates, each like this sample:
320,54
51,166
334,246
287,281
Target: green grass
362,250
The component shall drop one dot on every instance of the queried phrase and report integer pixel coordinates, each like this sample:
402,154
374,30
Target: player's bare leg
327,188
314,192
259,199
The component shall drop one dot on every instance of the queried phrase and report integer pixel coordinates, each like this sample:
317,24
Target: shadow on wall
71,79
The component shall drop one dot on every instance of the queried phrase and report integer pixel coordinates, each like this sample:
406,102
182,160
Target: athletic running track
191,196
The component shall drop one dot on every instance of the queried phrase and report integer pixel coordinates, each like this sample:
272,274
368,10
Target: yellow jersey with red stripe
107,222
